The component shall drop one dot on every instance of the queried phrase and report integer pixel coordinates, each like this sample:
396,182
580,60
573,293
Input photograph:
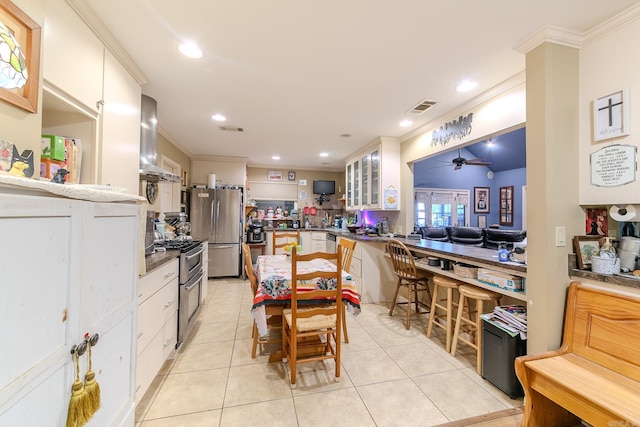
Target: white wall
614,55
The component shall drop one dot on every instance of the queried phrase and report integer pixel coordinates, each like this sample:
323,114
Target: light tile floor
390,376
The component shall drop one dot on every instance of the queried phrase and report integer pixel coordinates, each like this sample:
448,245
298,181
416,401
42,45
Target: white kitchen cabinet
372,171
318,241
157,322
120,142
70,267
98,103
72,55
228,170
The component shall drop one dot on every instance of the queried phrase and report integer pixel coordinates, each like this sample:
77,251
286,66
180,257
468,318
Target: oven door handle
194,282
196,254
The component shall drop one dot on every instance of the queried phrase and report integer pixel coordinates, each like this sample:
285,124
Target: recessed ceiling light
406,123
190,50
324,154
489,143
275,157
218,117
466,86
345,135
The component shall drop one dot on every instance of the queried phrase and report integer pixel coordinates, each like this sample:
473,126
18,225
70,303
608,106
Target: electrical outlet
561,236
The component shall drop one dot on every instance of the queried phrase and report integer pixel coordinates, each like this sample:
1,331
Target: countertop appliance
217,218
256,233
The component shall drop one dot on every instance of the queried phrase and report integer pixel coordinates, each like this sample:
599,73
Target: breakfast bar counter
378,282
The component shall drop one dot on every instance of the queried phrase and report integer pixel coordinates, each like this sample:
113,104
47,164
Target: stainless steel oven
191,282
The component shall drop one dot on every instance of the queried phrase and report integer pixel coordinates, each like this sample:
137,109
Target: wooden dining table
274,285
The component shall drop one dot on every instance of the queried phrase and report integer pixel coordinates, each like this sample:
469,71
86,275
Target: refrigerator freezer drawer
224,260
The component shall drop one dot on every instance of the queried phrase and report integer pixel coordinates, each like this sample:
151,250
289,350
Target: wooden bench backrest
604,327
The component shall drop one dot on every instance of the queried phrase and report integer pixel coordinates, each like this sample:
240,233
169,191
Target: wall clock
152,191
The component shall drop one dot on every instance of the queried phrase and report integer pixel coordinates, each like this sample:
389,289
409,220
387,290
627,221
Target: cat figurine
26,157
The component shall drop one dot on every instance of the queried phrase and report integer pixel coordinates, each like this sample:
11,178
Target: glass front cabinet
368,180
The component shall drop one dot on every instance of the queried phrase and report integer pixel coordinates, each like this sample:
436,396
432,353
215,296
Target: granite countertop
158,259
627,280
472,254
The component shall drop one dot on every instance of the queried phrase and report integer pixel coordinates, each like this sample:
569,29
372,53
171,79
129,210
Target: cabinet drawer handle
166,344
139,295
169,304
138,388
141,334
169,274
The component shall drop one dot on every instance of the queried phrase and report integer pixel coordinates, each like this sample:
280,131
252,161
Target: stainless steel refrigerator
216,217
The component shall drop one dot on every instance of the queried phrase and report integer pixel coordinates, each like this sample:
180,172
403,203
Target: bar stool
472,327
405,270
450,285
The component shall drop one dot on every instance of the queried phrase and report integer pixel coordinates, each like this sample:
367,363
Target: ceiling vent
422,107
231,129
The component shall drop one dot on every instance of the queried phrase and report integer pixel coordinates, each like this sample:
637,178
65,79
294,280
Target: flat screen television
324,187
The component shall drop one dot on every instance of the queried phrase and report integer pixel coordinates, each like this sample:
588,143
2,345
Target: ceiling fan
459,161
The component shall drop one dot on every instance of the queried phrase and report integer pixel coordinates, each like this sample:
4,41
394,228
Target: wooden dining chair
273,313
346,247
283,238
304,326
405,269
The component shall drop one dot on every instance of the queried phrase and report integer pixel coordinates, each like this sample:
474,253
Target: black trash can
499,351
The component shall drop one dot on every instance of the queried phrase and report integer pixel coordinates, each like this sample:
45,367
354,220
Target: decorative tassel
77,416
91,386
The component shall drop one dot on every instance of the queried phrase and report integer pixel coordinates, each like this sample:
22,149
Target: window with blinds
441,207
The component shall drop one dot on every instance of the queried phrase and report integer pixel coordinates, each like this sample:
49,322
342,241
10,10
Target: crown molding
612,24
89,16
551,34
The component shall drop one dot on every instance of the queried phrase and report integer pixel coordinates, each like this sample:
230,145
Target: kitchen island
374,272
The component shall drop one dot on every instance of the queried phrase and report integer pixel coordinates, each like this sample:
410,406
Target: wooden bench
595,375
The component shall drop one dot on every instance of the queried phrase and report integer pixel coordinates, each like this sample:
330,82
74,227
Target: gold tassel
91,386
77,416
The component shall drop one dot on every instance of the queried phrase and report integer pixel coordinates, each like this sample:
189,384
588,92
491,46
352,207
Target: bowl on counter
353,228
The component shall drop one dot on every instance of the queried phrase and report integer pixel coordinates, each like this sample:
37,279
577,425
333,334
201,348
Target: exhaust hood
149,144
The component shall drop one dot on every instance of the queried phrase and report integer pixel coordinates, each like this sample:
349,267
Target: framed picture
482,221
21,89
481,199
292,176
274,175
585,247
597,220
611,115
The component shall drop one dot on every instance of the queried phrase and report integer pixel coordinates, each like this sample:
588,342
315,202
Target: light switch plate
561,236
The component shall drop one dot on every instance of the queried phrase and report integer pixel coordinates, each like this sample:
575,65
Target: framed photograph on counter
585,247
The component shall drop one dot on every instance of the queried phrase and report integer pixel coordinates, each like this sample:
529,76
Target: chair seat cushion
305,324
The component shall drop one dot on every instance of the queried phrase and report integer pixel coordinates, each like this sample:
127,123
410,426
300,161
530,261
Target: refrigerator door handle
223,247
217,216
213,228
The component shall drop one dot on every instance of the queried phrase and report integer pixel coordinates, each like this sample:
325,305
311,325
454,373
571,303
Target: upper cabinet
88,95
73,55
373,176
120,142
